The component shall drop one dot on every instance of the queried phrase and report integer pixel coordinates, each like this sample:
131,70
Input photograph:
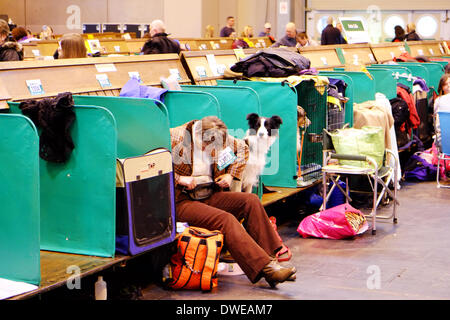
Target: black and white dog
260,136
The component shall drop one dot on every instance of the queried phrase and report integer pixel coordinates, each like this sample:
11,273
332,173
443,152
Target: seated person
304,41
71,45
289,40
195,148
159,42
442,103
9,50
228,30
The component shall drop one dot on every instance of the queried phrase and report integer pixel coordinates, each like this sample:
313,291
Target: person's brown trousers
250,247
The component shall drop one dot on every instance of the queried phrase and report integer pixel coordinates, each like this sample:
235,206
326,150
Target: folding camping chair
444,152
376,175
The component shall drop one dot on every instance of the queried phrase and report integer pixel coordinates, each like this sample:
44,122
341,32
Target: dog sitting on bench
260,136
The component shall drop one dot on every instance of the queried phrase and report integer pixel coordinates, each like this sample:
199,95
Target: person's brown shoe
275,273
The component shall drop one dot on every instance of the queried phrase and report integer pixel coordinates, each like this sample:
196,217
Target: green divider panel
364,87
19,200
235,104
403,72
142,124
434,72
184,106
349,92
384,82
78,198
277,99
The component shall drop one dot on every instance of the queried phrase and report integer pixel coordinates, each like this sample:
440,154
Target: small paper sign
103,80
201,71
117,48
35,87
324,60
135,75
420,52
221,69
106,67
371,57
431,51
36,53
226,157
212,63
176,73
239,53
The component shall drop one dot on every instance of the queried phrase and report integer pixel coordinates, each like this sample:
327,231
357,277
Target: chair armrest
352,157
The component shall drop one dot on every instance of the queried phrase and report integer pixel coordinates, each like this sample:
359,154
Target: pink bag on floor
340,222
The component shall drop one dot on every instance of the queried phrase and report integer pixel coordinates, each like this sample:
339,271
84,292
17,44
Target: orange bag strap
206,281
187,250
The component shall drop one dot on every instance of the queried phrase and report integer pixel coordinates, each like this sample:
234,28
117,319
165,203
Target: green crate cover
235,104
384,82
349,92
277,99
142,124
20,207
78,198
395,69
364,87
184,106
433,74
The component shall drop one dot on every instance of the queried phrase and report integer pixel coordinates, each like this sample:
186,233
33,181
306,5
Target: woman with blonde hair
248,32
72,45
209,31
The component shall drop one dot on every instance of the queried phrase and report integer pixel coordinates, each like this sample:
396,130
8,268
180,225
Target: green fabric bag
367,141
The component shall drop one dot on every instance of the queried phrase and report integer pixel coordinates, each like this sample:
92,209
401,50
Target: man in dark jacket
330,35
9,50
159,42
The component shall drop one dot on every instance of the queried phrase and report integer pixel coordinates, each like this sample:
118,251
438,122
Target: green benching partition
78,197
277,99
142,124
235,104
19,198
184,106
400,73
433,74
385,82
364,87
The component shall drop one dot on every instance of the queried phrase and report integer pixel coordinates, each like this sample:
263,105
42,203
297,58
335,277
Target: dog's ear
276,120
252,119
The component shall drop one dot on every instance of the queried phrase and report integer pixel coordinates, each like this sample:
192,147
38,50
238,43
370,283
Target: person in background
71,45
400,34
267,30
304,41
19,34
209,31
442,103
248,32
330,34
159,41
341,30
47,33
9,50
289,40
228,30
196,146
411,33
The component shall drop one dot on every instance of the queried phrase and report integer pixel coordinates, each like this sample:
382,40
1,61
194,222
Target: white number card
35,87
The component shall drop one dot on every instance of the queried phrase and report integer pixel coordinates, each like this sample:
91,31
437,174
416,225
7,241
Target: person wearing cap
267,29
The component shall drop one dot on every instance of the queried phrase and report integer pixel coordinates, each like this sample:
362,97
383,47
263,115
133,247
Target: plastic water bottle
100,289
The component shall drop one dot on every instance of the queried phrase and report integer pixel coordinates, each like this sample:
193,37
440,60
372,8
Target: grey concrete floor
406,261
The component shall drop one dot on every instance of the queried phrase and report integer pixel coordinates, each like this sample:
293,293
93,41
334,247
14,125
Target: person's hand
224,181
188,182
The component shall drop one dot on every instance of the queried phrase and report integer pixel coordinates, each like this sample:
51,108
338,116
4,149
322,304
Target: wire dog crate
313,101
316,113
